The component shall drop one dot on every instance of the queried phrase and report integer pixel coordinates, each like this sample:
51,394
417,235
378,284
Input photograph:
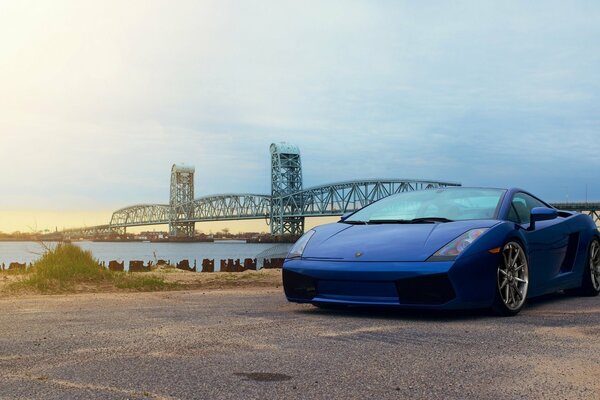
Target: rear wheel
512,280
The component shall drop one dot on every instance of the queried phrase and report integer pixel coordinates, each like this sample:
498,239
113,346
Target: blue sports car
446,249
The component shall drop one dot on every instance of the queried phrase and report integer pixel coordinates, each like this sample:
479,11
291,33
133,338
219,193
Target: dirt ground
250,343
184,280
270,278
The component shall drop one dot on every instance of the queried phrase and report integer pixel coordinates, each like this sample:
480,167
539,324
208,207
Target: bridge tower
181,201
286,179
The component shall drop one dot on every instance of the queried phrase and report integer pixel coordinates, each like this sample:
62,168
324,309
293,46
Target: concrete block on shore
16,265
231,265
184,265
237,266
270,263
277,262
137,266
114,265
250,264
208,265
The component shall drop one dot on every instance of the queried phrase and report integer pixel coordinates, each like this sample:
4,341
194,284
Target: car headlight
451,250
298,247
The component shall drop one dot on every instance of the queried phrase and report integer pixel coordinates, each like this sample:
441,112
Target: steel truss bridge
284,209
590,208
327,200
141,215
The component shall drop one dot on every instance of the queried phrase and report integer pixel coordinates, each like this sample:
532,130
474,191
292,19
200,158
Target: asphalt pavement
252,344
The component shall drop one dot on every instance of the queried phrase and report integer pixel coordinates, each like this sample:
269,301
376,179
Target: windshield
443,205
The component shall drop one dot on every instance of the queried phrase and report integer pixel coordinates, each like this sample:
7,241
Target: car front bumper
465,283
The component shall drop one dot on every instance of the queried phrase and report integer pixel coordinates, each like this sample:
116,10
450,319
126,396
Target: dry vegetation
69,269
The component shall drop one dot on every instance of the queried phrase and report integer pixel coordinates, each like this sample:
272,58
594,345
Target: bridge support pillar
286,179
182,201
287,226
119,231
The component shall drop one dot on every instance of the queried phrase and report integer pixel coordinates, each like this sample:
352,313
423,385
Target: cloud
100,98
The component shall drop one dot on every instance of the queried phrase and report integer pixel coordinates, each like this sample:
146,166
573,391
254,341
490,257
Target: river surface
174,252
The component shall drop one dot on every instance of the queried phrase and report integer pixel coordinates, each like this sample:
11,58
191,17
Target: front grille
428,289
298,286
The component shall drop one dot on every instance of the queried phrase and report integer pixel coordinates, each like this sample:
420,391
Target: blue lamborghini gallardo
446,248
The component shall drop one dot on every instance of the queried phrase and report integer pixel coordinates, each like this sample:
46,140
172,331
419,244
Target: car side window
521,206
512,214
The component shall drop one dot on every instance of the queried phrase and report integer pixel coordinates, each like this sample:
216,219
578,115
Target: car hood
385,242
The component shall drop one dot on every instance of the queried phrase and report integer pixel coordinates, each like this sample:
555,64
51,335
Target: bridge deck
319,201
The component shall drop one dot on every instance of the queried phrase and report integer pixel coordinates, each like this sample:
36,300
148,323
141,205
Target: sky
99,98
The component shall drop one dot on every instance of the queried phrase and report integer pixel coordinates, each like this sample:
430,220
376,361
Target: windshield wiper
354,222
422,220
390,221
431,219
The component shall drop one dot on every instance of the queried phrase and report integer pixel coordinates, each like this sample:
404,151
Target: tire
512,280
590,282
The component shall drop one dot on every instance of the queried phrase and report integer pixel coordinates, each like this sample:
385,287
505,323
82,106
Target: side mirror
541,214
346,215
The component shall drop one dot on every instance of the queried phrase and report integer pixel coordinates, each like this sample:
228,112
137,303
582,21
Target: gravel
252,344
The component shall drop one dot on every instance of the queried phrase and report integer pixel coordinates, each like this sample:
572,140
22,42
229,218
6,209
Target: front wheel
512,280
590,284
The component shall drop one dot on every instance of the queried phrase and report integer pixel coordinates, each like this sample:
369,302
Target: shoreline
176,280
219,241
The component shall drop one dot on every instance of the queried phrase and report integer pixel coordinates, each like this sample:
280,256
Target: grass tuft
63,267
68,268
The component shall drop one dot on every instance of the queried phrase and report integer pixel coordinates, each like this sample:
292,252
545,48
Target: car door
546,245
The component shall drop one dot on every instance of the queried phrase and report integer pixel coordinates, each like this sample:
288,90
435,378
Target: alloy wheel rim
513,276
595,264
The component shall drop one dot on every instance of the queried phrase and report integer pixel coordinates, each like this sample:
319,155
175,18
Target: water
30,251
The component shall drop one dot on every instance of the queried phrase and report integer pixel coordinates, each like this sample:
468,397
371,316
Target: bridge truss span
284,209
209,208
339,198
231,207
591,209
85,232
141,214
325,200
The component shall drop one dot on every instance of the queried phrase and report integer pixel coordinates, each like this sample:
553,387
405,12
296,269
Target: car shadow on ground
398,313
554,301
558,298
